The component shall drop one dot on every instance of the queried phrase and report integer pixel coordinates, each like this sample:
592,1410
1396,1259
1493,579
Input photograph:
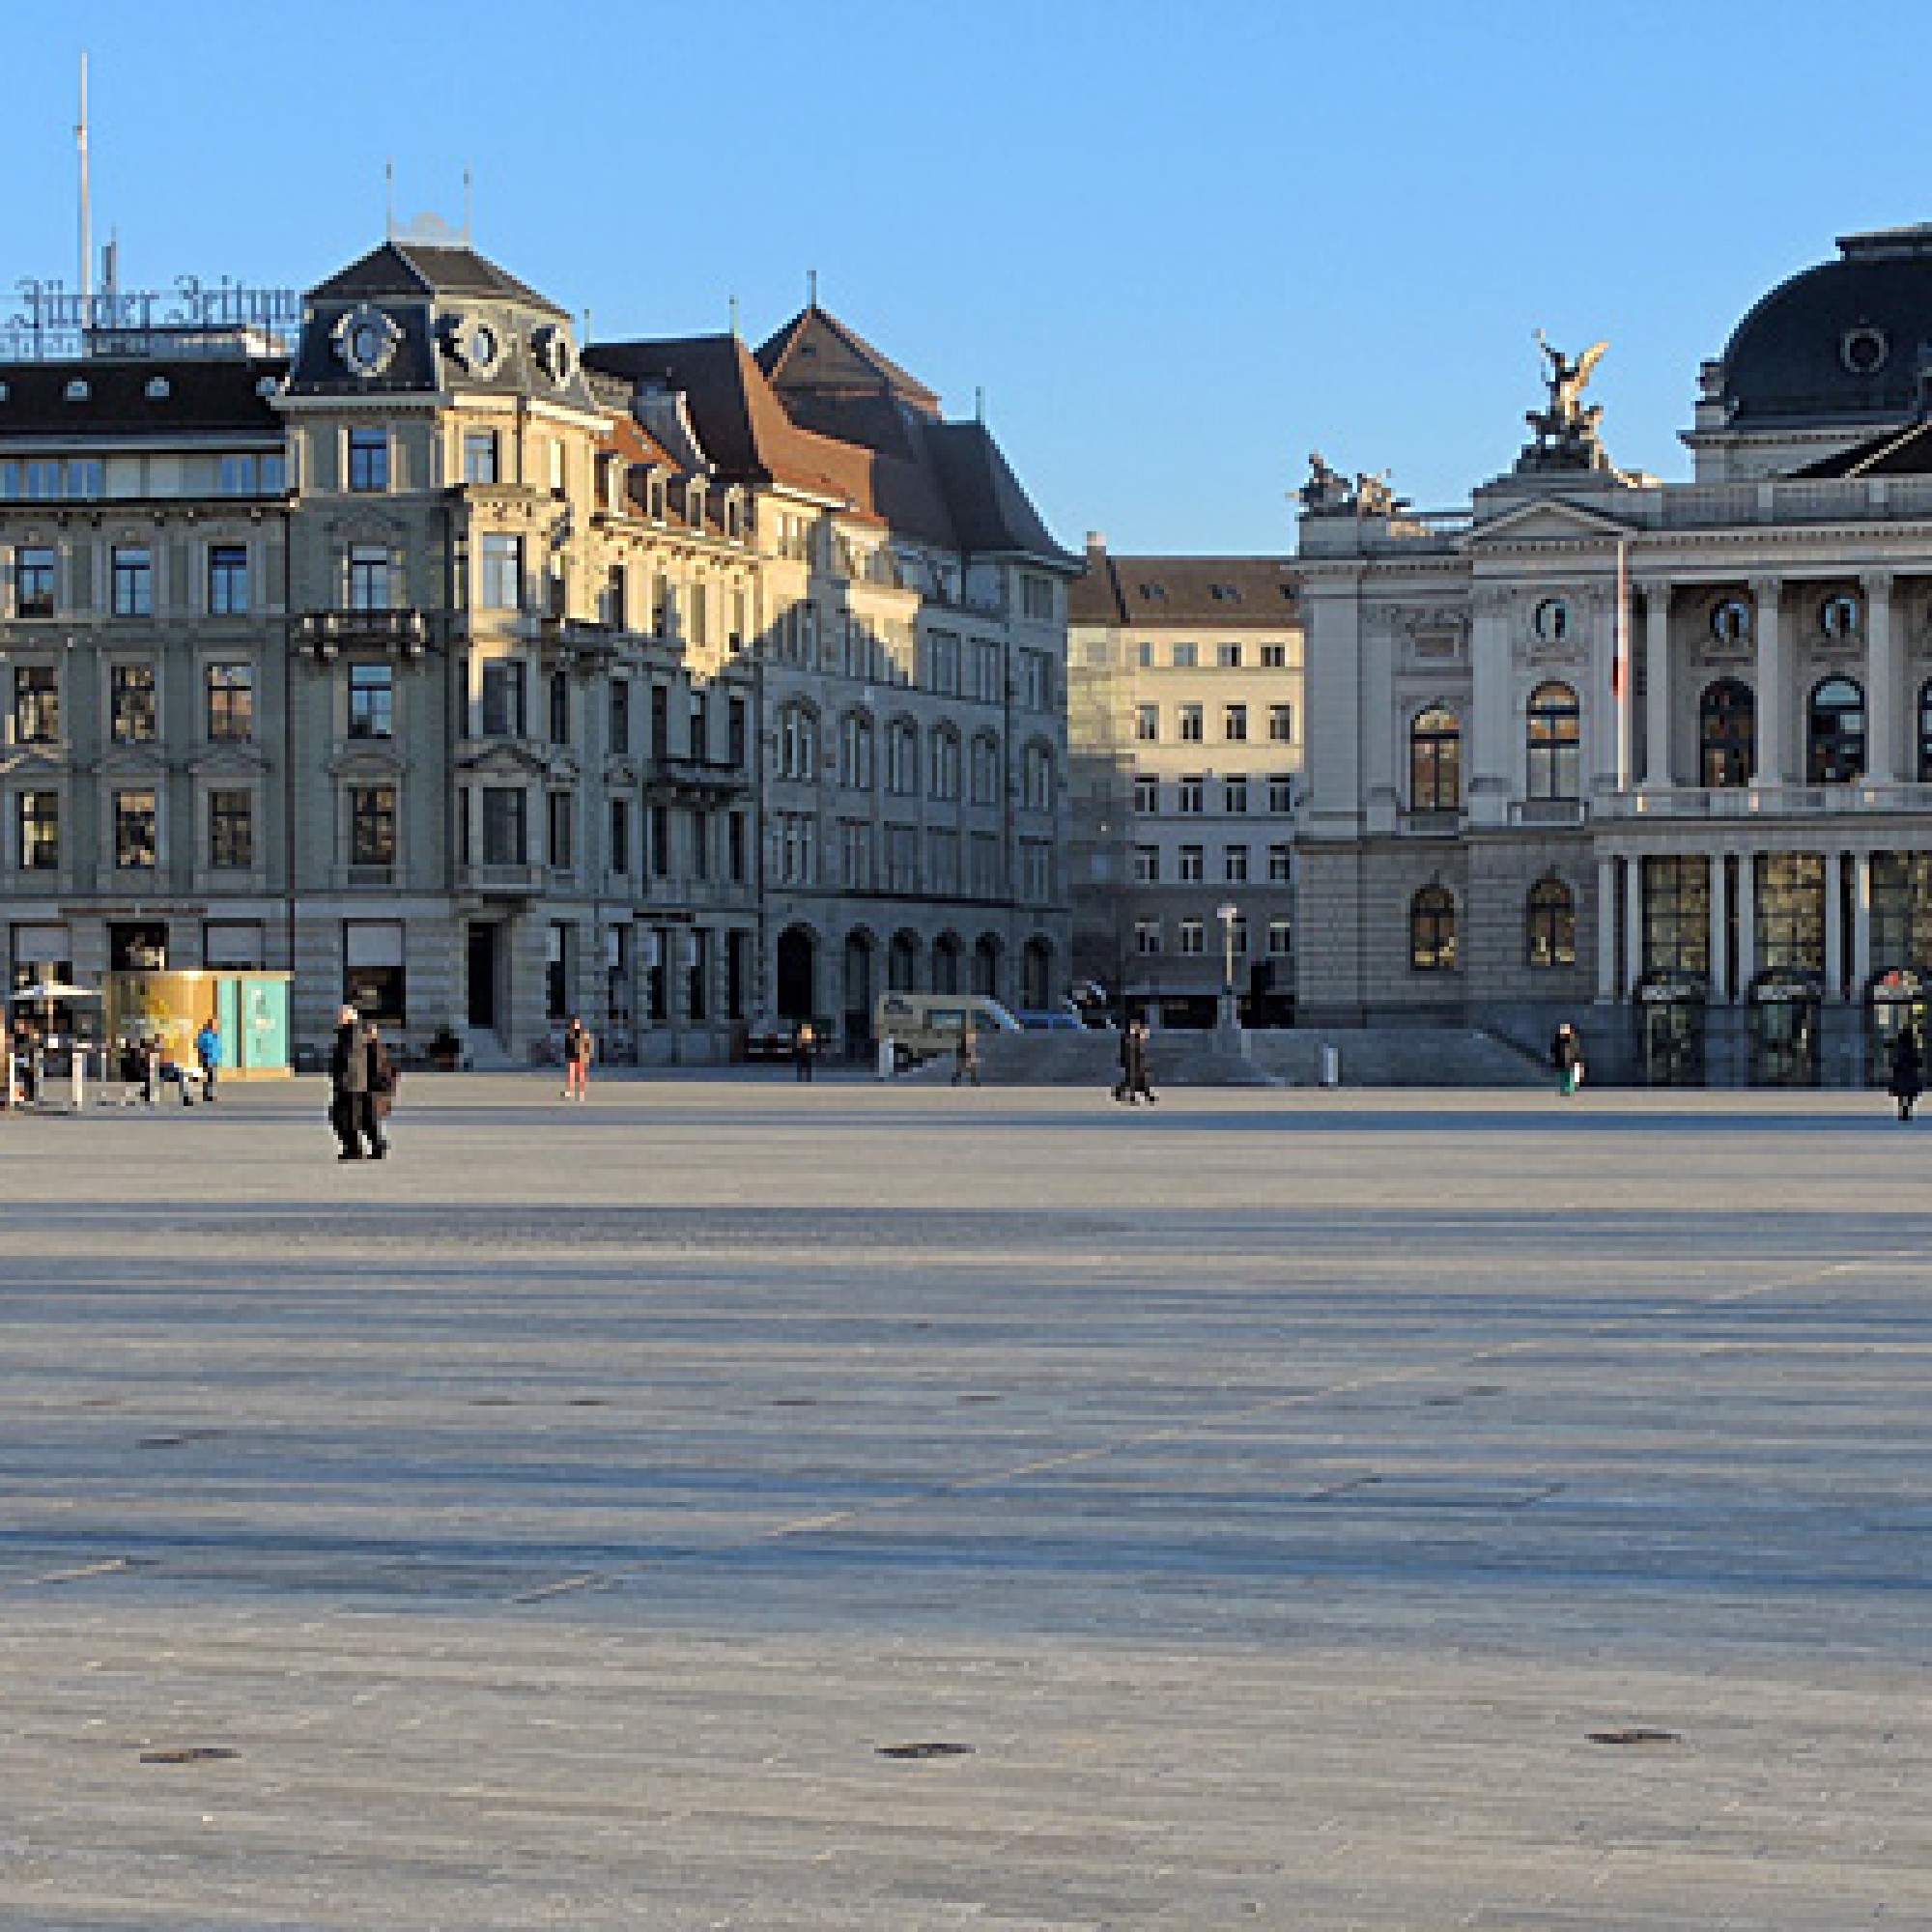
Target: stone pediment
239,760
509,759
1548,521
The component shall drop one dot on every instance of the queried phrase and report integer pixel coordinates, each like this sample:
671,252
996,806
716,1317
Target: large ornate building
1655,757
484,679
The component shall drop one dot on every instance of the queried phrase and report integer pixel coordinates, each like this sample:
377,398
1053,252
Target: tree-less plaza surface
1274,1498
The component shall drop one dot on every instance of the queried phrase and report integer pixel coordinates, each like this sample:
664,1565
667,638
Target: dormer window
157,390
77,391
1225,593
695,505
1154,593
654,496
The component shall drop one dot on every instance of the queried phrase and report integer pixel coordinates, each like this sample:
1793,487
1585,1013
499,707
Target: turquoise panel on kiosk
228,1017
264,1022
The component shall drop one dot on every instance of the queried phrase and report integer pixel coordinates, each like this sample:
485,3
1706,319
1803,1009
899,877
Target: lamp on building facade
1228,914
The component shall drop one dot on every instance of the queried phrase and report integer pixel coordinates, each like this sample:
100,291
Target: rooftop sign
53,323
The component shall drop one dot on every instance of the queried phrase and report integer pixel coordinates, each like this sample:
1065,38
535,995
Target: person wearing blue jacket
208,1050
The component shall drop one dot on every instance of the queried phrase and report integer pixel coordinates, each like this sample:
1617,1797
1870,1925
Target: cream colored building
1185,722
1653,757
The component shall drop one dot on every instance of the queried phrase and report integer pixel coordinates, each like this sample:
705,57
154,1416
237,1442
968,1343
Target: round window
1730,620
1863,350
1552,621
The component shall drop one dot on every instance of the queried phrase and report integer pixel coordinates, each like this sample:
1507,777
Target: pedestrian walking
1133,1087
802,1044
966,1063
376,1103
347,1084
1908,1071
1566,1055
577,1050
208,1050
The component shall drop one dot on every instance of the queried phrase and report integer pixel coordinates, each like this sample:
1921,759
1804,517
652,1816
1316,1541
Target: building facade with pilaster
1652,757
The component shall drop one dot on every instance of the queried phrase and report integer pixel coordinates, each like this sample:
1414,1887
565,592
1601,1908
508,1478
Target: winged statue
1568,380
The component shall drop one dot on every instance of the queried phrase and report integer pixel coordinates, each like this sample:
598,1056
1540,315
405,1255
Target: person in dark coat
966,1060
348,1085
377,1103
1566,1055
1133,1087
802,1045
1908,1074
1124,1086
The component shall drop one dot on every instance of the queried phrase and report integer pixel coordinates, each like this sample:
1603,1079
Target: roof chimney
1097,543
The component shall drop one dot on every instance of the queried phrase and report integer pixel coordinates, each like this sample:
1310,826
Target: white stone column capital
1877,583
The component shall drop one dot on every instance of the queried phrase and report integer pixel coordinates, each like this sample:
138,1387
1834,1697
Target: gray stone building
1654,757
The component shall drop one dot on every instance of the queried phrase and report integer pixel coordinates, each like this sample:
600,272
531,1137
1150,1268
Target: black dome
1840,343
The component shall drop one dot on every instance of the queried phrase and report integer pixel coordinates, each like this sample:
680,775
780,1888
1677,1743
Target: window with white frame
1193,863
1281,865
1281,723
1193,938
227,579
1235,723
1147,865
1281,938
1189,796
1147,723
1235,797
1147,797
1192,728
1146,936
1234,865
798,742
368,458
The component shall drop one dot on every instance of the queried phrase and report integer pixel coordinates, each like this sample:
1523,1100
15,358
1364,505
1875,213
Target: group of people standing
362,1081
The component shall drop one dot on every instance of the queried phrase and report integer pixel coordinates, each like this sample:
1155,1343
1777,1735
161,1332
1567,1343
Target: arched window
1038,778
798,742
944,772
1727,733
1555,726
1835,733
903,758
1550,924
1432,930
986,769
902,963
1435,762
855,750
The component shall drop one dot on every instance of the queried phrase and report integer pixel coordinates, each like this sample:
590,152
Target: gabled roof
814,352
415,268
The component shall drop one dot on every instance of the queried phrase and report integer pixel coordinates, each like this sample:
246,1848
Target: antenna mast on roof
468,209
980,406
86,205
734,318
812,287
389,201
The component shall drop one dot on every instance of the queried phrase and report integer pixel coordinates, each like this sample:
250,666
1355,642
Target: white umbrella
50,990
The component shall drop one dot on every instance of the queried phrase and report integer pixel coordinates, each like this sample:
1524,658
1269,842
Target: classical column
1721,929
1381,726
1606,928
1881,682
1632,926
1746,922
1656,769
1769,695
1834,925
1491,751
1862,960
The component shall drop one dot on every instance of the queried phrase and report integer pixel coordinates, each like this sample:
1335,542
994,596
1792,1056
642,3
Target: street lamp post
1231,1019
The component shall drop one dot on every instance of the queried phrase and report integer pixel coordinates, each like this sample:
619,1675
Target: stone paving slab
1272,1493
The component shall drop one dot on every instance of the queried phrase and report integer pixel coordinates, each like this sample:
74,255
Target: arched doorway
1037,976
986,966
797,972
859,950
902,963
946,957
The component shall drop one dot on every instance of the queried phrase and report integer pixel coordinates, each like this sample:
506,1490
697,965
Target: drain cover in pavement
189,1754
1634,1736
926,1750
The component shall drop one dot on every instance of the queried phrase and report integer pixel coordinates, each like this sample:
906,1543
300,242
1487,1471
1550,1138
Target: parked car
1049,1020
770,1037
924,1025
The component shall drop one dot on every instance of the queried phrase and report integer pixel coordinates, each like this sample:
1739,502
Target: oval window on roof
157,388
77,391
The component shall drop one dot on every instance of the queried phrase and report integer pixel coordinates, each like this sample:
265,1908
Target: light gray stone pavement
1273,1492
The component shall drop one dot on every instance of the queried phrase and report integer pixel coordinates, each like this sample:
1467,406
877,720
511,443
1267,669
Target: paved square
1272,1494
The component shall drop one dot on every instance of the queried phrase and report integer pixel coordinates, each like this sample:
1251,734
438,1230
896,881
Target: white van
921,1025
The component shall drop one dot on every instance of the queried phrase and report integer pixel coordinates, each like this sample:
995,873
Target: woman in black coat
1907,1071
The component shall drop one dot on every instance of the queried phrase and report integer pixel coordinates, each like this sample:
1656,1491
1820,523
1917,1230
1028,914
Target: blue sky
1177,247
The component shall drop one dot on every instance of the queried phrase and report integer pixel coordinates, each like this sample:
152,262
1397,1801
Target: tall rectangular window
1147,797
1147,723
368,458
1281,723
227,581
736,739
1192,864
36,719
34,580
1234,796
368,578
230,831
620,837
372,825
503,585
1235,723
39,830
1234,865
559,707
620,715
1147,865
735,844
504,827
133,580
480,455
1280,792
131,704
1189,795
372,698
231,702
1281,866
562,825
503,699
236,476
614,600
134,830
1191,724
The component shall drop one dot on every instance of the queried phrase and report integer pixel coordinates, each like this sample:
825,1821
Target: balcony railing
1764,801
326,632
523,881
686,777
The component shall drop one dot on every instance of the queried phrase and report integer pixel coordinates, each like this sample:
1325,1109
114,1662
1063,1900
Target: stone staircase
1369,1057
